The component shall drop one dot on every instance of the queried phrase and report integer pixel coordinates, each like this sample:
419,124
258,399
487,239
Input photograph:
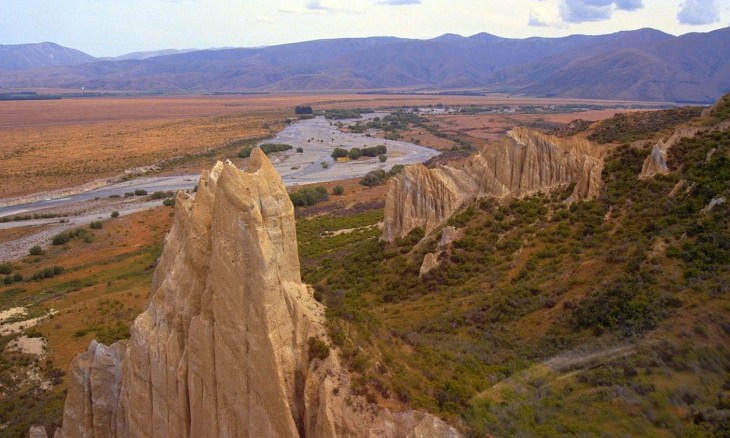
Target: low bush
318,349
66,236
266,148
308,196
47,272
339,153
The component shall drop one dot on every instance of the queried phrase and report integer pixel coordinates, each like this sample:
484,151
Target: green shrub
161,195
66,236
17,277
308,196
626,307
97,225
266,148
140,192
339,153
300,150
354,153
374,178
382,158
169,202
374,151
338,190
318,349
339,114
6,268
60,238
36,250
47,273
115,214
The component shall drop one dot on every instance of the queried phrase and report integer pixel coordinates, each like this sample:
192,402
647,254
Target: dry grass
116,266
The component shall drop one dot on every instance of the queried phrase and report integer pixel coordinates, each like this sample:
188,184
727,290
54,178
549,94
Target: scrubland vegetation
605,317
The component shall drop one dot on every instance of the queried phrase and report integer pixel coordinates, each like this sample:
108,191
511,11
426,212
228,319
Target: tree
303,110
339,153
382,158
354,153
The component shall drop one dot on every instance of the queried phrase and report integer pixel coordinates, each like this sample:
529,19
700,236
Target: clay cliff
656,162
222,349
524,163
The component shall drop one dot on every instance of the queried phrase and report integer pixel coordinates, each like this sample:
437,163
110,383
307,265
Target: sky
116,27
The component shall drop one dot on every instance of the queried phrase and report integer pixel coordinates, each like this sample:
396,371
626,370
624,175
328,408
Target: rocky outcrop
526,162
656,162
431,259
96,371
222,349
37,432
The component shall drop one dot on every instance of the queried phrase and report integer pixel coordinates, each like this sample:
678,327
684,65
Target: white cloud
320,7
400,2
264,19
698,12
579,11
294,9
541,17
629,5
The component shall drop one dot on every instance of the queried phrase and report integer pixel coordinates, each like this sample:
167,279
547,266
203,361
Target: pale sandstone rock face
97,371
656,162
37,432
221,351
525,163
431,260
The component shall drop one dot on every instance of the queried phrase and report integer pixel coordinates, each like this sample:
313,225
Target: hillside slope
29,56
545,318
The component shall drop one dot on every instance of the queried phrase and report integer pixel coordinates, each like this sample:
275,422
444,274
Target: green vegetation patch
533,278
266,148
628,127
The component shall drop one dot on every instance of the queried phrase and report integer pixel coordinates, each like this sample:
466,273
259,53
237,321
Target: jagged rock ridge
527,162
222,348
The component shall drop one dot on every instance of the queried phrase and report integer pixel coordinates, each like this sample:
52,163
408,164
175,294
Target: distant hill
29,56
691,68
147,54
644,64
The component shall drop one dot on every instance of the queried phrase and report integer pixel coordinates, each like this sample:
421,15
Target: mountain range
643,64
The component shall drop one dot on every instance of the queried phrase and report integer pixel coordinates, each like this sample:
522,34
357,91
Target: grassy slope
533,279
